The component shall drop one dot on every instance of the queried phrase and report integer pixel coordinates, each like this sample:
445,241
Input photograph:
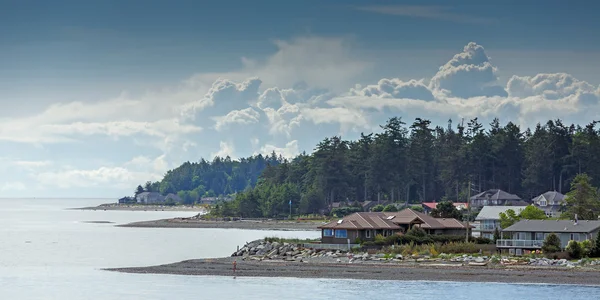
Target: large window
575,236
539,236
341,233
327,232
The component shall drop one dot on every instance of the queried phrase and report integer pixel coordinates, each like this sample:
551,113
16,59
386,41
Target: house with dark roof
150,198
530,234
496,197
366,225
550,202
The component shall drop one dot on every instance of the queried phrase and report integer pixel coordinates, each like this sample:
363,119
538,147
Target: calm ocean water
47,252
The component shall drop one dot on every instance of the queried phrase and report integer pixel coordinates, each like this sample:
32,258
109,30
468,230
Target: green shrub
377,208
461,247
483,240
587,248
380,240
390,208
551,244
416,232
574,249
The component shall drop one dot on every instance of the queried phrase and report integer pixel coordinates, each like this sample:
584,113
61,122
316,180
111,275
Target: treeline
221,177
419,163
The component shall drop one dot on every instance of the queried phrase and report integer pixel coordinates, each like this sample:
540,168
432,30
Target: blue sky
97,96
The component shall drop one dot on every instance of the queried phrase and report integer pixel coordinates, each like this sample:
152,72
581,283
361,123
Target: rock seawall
260,250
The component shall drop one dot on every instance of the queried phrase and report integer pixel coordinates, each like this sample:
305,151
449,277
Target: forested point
402,163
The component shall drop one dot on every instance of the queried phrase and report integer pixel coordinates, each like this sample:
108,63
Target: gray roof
495,194
556,226
493,212
552,197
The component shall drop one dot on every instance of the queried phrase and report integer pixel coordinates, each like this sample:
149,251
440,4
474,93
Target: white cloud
553,87
223,96
316,61
13,186
395,88
225,149
349,119
32,164
162,128
246,116
158,165
116,177
468,74
289,151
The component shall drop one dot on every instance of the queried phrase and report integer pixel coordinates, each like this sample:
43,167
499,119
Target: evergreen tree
582,200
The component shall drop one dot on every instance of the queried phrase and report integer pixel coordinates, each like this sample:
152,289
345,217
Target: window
368,234
341,233
543,202
327,232
539,236
575,236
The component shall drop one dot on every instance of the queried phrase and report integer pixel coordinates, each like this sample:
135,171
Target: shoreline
242,224
374,271
129,207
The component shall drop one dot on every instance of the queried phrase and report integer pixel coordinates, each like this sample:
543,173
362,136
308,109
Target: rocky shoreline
275,259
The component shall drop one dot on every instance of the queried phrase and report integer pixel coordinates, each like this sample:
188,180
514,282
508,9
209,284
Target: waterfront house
488,219
550,202
150,198
530,234
366,225
496,197
429,206
173,197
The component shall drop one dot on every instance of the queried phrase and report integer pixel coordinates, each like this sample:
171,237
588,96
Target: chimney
575,219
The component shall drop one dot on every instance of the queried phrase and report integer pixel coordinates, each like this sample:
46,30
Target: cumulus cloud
290,149
225,149
468,74
395,88
553,87
224,96
246,116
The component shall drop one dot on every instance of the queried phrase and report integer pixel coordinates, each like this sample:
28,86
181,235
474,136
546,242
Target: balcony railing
519,243
488,227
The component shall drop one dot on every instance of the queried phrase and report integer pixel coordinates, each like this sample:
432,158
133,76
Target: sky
97,97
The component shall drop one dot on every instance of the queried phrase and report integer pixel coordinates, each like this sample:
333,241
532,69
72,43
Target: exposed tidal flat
194,222
372,271
138,207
